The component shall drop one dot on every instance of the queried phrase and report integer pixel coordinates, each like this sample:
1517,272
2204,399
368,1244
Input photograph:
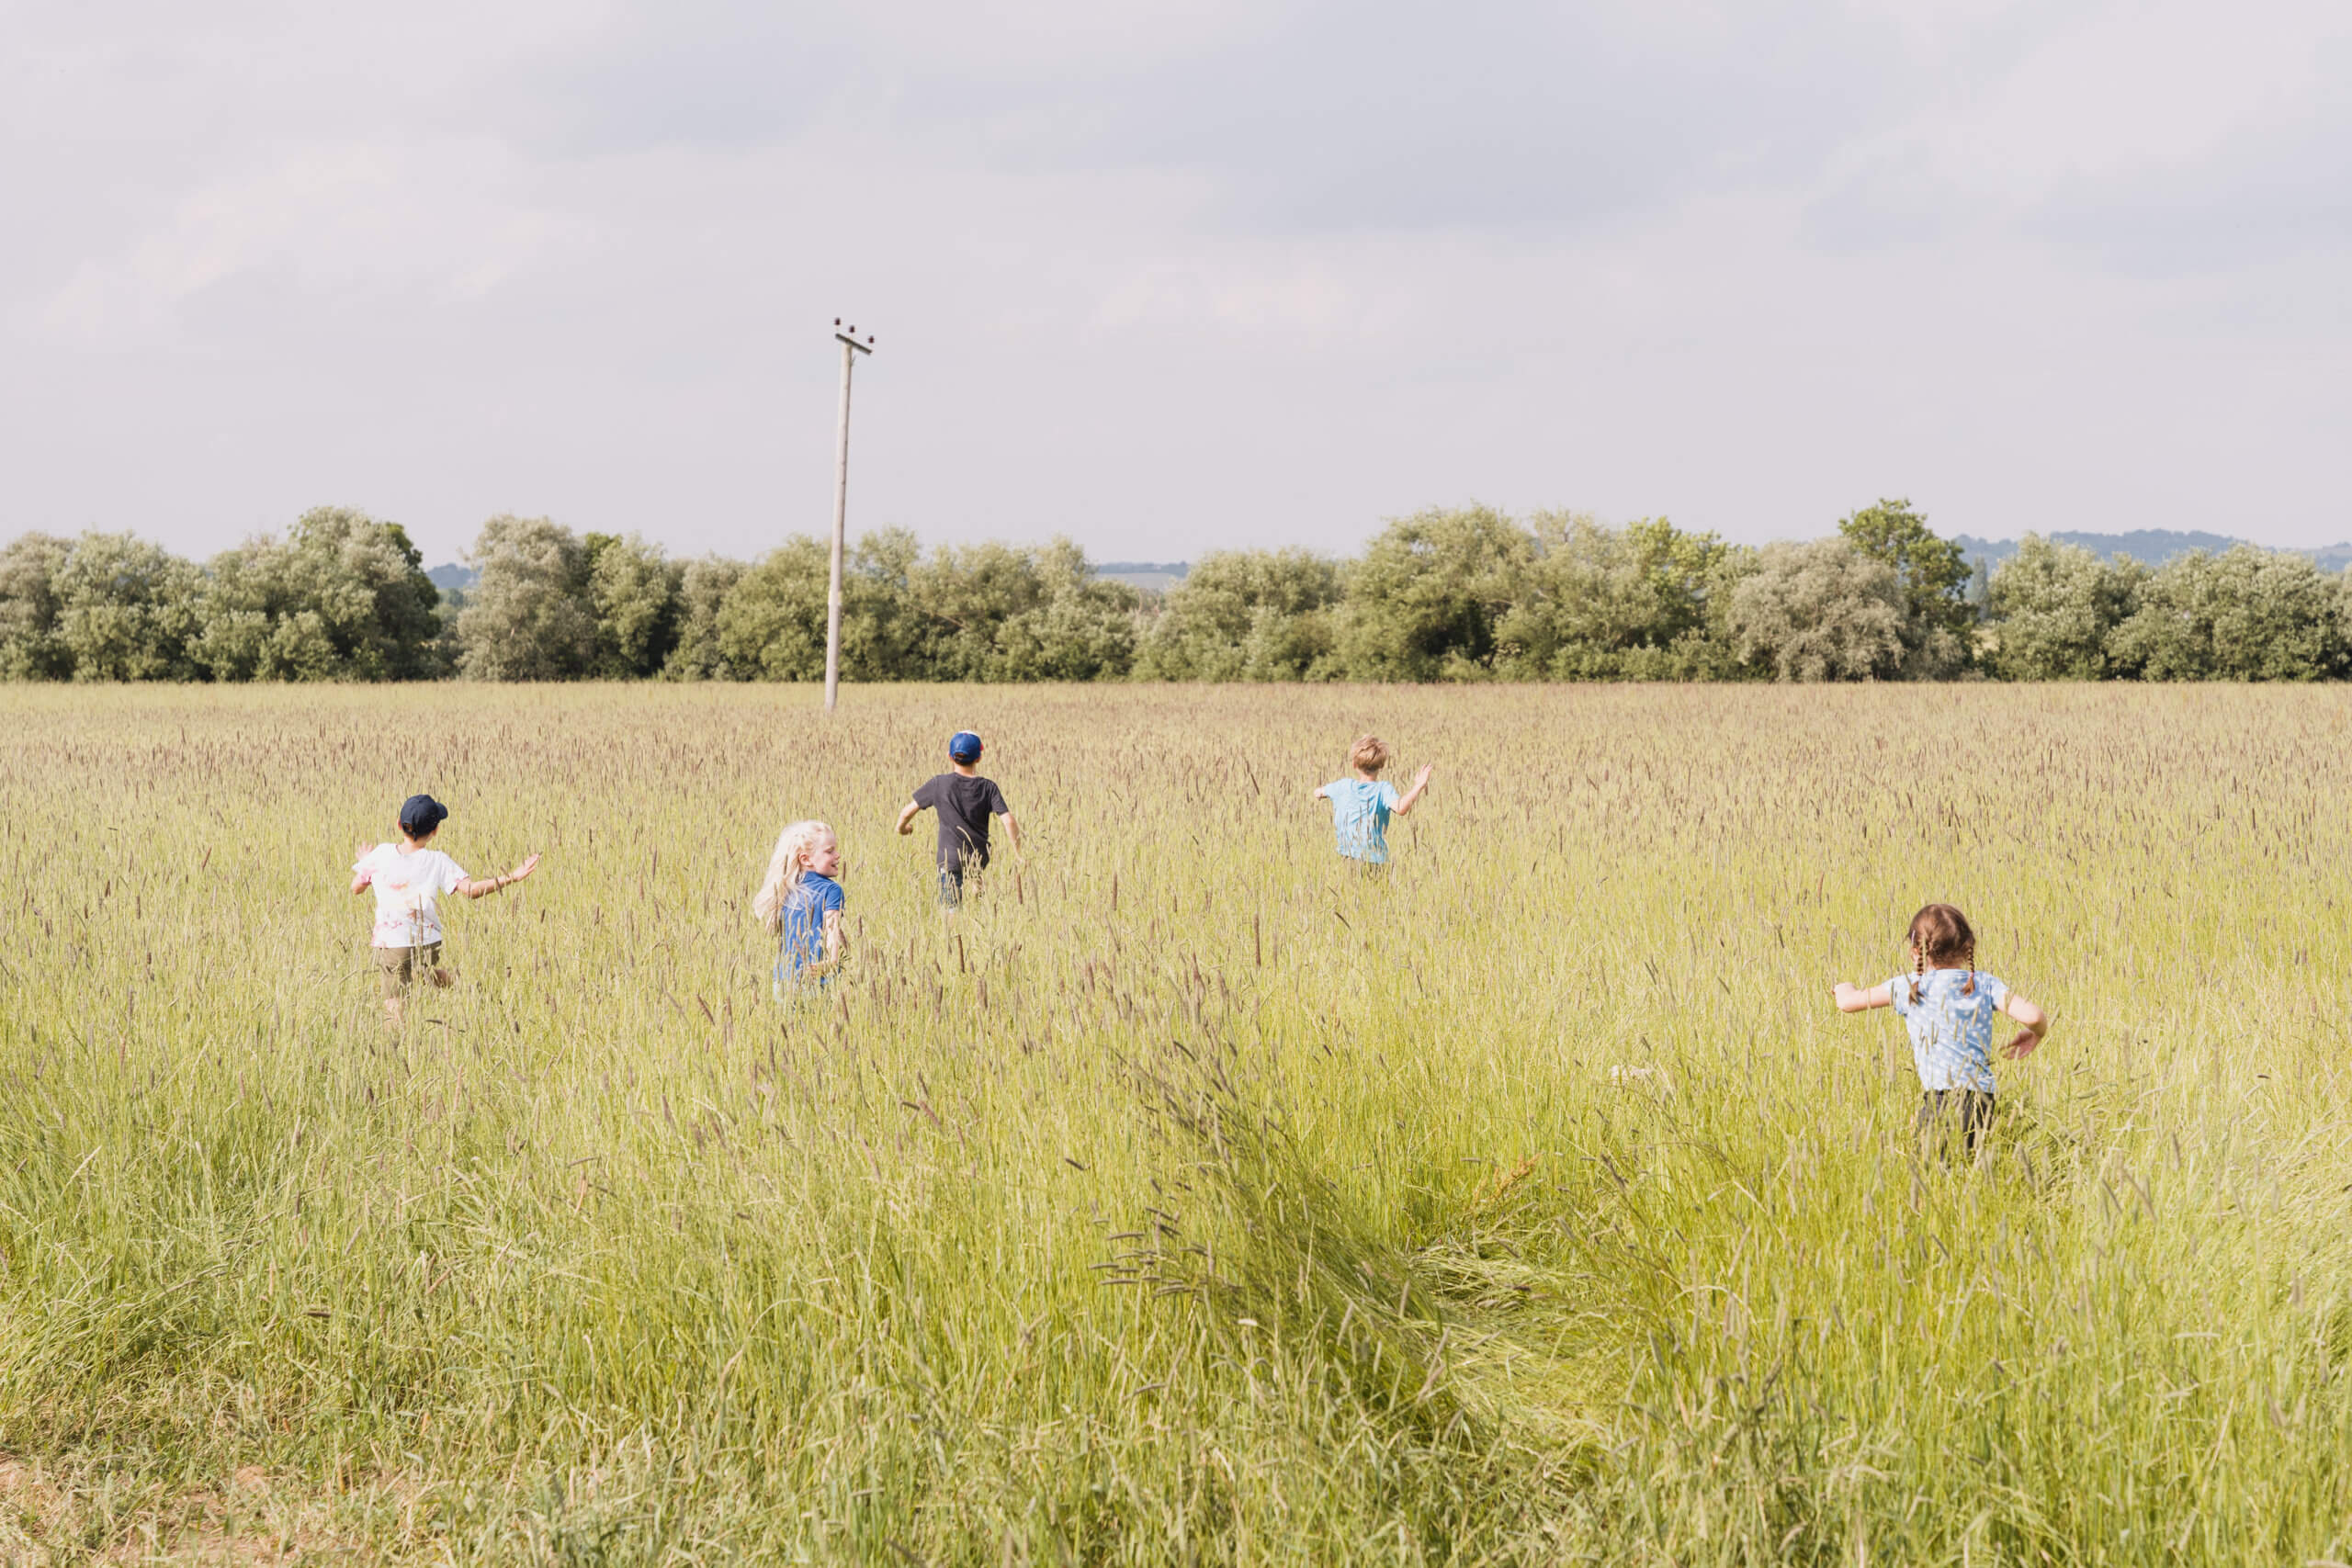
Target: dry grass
1188,1199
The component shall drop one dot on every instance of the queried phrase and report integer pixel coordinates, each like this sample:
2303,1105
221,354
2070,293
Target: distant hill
453,578
1152,577
2154,546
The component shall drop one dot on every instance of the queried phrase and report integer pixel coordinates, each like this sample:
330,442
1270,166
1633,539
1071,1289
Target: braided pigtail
1940,933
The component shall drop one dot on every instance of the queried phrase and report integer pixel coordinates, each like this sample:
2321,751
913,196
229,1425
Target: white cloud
1176,277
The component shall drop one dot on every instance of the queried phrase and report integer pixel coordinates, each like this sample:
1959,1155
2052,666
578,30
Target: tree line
1449,594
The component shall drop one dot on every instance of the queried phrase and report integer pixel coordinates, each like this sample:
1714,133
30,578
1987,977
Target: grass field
1188,1200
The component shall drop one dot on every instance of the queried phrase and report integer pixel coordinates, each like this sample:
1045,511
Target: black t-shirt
964,807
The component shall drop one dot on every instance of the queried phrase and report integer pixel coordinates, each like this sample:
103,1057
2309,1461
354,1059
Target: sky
1167,278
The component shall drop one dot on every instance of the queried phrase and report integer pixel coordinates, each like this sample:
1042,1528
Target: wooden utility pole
850,349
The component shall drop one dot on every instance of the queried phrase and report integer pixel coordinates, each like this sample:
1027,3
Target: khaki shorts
401,967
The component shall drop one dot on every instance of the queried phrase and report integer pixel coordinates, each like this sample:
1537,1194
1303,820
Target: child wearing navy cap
408,877
964,802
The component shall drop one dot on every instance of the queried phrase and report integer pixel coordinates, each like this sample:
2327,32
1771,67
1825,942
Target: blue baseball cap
963,746
421,814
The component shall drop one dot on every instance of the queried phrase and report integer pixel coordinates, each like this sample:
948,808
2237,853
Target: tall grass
1187,1199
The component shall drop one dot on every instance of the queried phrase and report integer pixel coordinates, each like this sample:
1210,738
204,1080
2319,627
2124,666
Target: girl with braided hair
1947,1005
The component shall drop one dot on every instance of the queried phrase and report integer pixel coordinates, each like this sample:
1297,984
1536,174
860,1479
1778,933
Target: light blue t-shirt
1360,809
800,937
1951,1032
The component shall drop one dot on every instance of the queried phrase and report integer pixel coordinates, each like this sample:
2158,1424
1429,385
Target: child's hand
520,871
2022,1045
1421,779
1838,992
359,851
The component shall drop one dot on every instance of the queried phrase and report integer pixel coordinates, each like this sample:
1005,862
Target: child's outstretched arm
907,816
1852,998
2035,1026
836,945
1420,783
479,886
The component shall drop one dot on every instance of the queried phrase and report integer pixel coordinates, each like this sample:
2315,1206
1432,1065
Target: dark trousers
1940,1109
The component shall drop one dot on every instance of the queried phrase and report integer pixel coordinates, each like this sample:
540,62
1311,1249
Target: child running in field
964,802
409,879
1361,806
1947,1005
800,903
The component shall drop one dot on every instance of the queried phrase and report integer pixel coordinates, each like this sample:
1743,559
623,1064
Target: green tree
633,592
1247,615
2055,611
30,649
1937,619
1818,611
529,617
343,597
126,610
1425,600
702,591
1616,603
995,612
2243,615
772,626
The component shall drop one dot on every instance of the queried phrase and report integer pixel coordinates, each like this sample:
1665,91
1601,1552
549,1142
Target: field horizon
1187,1198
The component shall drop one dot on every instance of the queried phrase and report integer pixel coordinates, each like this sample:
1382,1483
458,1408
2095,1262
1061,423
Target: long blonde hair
792,847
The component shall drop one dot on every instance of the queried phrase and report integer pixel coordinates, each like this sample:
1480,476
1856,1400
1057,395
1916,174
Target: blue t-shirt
801,935
1951,1032
1360,809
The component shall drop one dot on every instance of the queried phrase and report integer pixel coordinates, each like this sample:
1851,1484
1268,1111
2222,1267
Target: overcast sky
1168,277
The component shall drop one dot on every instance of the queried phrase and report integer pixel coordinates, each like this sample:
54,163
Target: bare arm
2035,1026
361,879
907,816
1852,998
1012,831
475,888
836,945
1420,783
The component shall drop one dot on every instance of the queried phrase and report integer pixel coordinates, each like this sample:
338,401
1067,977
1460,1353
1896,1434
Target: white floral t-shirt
406,886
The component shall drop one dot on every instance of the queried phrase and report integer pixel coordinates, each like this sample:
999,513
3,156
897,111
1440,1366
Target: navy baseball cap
421,814
963,746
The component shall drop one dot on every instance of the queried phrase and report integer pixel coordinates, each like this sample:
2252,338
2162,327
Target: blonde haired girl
800,902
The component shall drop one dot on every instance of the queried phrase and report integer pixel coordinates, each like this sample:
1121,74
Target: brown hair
1939,932
1370,753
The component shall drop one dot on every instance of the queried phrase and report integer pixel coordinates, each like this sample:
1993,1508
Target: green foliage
1618,603
29,646
1460,595
2244,615
342,597
530,617
126,610
1933,574
772,627
2055,609
703,588
1000,614
1425,602
1248,615
633,590
1819,611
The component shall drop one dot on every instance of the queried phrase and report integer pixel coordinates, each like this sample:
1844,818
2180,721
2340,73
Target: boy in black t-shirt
964,802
